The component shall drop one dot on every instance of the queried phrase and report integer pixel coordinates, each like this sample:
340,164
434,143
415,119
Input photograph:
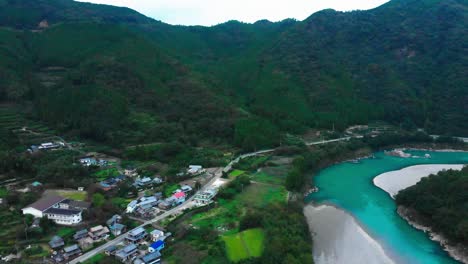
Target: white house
156,235
204,197
186,188
132,206
194,169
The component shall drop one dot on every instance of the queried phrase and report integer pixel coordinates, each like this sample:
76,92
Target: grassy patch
106,173
235,173
65,232
259,195
120,202
74,195
244,245
170,188
251,163
3,192
268,178
95,259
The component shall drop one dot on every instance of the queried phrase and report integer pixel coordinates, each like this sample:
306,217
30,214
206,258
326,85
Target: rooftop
179,195
157,244
46,202
71,248
137,231
151,256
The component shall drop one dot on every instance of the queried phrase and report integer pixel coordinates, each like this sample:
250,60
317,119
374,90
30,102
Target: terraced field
28,131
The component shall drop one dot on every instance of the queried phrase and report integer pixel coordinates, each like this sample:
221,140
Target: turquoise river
349,186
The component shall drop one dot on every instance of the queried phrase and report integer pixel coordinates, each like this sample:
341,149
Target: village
142,244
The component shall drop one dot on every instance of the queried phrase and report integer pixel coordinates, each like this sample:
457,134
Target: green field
235,173
244,245
95,259
106,173
268,178
74,195
260,195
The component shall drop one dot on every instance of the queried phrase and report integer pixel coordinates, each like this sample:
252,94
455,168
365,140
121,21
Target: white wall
32,211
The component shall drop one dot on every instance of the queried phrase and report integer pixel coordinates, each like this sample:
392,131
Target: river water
349,186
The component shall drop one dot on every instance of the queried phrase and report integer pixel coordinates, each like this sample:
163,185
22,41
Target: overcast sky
212,12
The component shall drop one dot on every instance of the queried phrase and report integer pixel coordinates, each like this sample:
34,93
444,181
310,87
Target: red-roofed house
180,197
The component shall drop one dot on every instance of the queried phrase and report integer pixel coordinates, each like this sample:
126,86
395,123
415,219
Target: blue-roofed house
156,246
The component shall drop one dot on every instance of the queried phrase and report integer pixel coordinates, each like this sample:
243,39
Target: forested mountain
111,74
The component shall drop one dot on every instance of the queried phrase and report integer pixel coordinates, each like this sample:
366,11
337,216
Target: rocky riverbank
456,251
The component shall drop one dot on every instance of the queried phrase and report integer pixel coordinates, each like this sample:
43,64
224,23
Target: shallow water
349,186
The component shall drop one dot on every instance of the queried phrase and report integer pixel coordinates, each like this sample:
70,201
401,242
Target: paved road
185,205
121,238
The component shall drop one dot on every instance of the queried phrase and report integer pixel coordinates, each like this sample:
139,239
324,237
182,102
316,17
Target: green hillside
113,75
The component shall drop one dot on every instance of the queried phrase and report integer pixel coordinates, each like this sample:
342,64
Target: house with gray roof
126,252
71,251
56,242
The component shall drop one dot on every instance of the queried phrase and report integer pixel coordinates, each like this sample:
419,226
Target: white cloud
211,12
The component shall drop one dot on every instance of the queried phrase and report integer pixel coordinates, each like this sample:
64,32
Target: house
142,182
143,202
115,219
56,208
80,234
180,197
156,235
146,211
126,252
86,243
151,200
164,205
88,161
71,251
110,250
195,169
117,229
131,206
48,145
151,258
156,246
99,233
114,225
57,257
186,189
205,197
56,242
158,180
130,172
136,235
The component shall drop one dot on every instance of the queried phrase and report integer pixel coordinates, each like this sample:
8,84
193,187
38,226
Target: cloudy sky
212,12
